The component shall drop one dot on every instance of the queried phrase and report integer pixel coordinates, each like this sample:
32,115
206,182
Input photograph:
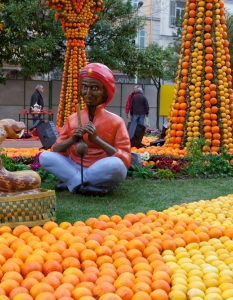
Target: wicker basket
30,209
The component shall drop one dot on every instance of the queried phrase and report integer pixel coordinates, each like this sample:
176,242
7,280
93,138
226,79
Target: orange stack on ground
181,253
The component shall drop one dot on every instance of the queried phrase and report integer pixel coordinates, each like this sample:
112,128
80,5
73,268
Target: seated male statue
109,152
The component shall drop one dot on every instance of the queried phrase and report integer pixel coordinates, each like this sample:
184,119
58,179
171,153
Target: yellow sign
166,95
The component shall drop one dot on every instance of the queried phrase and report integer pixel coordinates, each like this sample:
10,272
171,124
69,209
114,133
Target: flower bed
25,152
193,161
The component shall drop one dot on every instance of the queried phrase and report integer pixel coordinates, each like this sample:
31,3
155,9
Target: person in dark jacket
139,107
37,98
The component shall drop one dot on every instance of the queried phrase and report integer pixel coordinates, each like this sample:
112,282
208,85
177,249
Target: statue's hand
91,130
78,133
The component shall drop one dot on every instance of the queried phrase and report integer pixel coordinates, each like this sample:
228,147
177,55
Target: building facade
162,19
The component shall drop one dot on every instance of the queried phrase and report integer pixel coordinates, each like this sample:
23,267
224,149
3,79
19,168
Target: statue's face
93,91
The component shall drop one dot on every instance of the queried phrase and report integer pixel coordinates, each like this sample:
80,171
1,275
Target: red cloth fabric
127,105
109,127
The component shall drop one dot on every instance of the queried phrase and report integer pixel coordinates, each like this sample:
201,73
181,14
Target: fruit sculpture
75,17
19,182
202,104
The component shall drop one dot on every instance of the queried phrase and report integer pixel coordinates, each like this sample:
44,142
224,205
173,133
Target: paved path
21,144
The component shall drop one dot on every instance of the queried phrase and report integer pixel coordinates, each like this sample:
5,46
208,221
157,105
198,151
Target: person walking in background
139,107
127,106
37,98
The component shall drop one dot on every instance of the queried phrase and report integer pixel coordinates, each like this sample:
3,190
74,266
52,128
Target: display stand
26,116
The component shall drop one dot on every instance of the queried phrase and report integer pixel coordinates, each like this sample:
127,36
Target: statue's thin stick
79,115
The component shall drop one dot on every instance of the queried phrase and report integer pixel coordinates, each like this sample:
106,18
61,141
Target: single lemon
194,278
213,296
195,292
179,281
177,295
211,283
192,246
211,276
178,275
227,294
215,290
225,286
195,272
197,285
180,287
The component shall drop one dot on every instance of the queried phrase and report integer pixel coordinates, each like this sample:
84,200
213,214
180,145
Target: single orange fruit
141,296
30,266
28,283
52,280
70,278
35,274
79,292
66,286
20,229
22,296
13,275
110,296
159,294
125,293
8,285
59,293
16,291
51,266
102,289
39,288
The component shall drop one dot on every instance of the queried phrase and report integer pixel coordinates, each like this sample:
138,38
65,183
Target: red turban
101,73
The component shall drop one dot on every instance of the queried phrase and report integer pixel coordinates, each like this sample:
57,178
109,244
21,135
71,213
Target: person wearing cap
109,152
37,98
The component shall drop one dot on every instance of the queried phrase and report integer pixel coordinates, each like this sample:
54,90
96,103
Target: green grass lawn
136,195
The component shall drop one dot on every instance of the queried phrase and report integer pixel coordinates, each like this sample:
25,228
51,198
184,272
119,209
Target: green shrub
165,174
205,165
141,172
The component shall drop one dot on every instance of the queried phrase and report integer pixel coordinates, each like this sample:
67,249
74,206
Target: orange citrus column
75,17
202,104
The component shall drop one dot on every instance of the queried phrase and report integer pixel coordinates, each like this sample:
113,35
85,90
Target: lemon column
75,17
203,98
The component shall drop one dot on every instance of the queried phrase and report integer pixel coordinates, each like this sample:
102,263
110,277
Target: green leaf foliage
141,172
153,61
31,37
110,38
204,165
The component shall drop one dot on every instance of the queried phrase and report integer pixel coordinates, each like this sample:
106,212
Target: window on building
134,3
176,12
142,38
137,4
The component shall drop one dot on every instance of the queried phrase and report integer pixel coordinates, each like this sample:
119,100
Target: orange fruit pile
183,252
203,95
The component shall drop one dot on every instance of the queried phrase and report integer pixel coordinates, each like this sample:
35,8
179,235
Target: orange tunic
110,128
